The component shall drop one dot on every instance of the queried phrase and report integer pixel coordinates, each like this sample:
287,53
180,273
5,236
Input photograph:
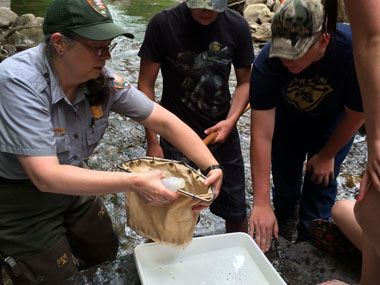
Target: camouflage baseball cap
215,5
296,26
90,19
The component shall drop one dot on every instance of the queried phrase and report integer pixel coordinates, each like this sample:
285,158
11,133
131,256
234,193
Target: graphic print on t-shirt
203,84
305,94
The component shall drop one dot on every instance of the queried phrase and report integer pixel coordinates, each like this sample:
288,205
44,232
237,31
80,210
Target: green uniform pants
42,231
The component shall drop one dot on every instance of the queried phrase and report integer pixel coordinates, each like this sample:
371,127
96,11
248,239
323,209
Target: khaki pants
53,228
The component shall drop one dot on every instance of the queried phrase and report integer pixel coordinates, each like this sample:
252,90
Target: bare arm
147,78
365,24
180,135
238,104
263,223
321,165
50,176
188,142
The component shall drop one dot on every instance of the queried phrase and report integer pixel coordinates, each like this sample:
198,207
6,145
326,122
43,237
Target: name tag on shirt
97,111
59,131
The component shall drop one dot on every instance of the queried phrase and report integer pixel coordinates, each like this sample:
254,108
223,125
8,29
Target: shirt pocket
94,135
63,147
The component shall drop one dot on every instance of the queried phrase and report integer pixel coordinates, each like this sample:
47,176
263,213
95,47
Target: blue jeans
231,203
296,138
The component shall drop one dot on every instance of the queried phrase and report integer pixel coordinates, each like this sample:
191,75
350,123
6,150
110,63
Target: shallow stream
125,139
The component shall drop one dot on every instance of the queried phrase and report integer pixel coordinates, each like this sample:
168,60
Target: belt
5,181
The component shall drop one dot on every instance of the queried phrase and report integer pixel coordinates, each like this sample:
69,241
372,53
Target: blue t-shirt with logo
321,90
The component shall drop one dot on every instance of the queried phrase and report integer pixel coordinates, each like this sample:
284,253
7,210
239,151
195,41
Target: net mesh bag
172,223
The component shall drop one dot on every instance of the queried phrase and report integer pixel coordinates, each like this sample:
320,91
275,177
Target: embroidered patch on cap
99,7
120,82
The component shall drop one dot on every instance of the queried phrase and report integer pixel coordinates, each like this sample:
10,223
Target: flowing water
125,139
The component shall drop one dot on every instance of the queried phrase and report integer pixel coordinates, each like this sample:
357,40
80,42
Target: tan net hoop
173,223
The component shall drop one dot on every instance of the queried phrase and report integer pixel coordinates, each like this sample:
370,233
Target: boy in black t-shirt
194,45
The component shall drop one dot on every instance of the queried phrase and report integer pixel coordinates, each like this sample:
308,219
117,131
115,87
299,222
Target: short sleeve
25,123
152,46
244,55
128,100
265,87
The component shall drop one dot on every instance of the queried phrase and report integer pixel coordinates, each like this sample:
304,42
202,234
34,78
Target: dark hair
331,15
99,88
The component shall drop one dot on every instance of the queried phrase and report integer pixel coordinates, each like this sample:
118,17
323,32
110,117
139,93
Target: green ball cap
90,19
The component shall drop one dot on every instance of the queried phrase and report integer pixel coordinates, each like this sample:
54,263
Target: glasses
99,51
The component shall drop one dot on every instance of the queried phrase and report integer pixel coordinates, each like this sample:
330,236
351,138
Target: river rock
27,20
237,5
7,17
261,33
18,32
251,2
303,263
258,13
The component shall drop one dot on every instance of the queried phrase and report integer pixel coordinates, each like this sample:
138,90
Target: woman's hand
150,189
214,177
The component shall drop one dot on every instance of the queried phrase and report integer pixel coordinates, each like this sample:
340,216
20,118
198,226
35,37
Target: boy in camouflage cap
295,28
306,105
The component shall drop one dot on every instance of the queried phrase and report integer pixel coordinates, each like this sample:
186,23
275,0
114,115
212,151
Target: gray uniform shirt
36,118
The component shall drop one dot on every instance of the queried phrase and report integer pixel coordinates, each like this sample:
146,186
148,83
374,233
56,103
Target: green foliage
36,7
147,8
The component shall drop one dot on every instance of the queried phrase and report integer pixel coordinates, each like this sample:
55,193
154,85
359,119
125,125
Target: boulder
26,20
251,2
258,13
18,32
237,5
7,17
262,33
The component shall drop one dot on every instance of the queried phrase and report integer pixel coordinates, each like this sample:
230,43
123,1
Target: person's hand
223,129
154,150
263,225
321,169
214,177
151,190
201,205
372,174
365,183
373,165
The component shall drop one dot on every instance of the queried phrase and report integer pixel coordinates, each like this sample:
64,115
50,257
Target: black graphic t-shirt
323,89
196,62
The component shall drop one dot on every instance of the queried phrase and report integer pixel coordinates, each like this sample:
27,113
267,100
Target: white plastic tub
221,259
